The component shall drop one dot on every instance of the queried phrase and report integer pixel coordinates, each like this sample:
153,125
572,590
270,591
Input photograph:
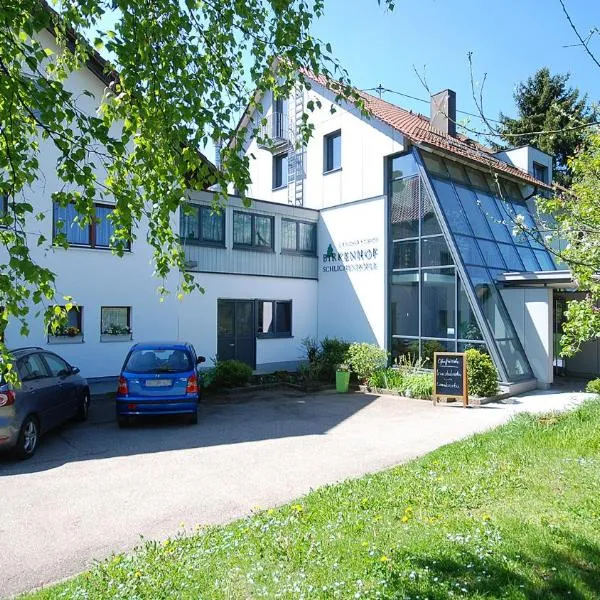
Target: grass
512,513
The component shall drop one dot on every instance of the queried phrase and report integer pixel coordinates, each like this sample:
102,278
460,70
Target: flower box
65,339
119,337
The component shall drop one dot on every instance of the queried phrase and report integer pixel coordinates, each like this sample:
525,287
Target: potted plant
342,378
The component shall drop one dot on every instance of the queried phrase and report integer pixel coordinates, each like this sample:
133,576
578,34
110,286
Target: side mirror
200,360
75,370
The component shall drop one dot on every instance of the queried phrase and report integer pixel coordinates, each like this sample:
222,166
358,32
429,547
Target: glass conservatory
453,232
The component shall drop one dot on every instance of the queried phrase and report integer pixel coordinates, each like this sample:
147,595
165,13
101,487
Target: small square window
332,152
115,320
280,171
73,326
274,318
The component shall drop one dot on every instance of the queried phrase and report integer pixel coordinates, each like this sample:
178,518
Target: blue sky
509,39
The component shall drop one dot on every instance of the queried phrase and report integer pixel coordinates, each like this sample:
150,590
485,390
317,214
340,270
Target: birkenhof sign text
352,255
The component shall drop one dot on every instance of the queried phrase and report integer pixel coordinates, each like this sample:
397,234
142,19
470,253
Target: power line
379,89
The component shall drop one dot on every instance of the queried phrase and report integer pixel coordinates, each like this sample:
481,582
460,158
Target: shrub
418,385
230,373
365,359
482,376
333,352
389,379
593,386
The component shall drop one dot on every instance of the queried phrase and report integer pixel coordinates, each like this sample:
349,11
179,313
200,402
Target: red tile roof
416,128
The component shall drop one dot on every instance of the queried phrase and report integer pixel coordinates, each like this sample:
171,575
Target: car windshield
159,360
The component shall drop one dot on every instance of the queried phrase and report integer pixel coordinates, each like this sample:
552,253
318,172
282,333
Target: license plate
158,382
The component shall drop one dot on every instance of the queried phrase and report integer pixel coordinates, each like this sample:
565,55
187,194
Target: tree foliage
552,117
179,74
576,216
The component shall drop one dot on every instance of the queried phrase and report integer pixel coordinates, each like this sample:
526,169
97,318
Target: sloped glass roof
481,215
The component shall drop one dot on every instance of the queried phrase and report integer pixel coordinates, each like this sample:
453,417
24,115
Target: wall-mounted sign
352,255
450,376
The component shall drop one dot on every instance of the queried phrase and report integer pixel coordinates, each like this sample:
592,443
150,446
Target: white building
390,229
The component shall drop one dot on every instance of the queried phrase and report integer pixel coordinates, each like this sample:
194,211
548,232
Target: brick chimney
443,112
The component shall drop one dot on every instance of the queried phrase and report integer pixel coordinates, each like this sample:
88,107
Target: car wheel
84,407
194,418
123,422
28,439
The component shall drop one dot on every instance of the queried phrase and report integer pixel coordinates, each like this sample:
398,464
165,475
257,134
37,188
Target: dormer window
540,172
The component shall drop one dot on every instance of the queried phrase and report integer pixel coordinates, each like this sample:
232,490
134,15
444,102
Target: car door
35,394
66,389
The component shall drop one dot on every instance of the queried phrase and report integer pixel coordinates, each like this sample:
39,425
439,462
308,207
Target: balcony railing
276,132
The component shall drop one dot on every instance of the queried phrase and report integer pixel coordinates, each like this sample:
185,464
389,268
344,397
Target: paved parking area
93,489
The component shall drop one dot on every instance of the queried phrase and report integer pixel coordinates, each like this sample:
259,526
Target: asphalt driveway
93,489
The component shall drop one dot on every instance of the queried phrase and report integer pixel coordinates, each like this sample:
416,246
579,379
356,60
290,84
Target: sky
509,39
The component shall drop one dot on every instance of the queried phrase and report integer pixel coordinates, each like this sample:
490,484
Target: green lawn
513,513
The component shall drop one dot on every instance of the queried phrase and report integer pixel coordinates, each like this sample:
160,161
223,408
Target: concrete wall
365,143
531,312
352,299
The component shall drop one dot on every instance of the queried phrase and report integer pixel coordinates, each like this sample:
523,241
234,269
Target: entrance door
236,338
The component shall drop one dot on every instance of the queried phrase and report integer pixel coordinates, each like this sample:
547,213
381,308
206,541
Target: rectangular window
252,231
540,172
274,318
332,150
73,327
280,171
98,234
115,320
203,225
298,236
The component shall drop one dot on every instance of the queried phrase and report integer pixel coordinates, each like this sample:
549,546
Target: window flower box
115,337
65,339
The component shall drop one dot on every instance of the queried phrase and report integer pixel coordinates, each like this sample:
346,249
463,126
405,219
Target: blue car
159,378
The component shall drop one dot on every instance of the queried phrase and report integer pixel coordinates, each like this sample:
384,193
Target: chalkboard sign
450,376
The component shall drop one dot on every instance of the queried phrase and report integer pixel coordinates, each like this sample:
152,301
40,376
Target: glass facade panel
429,347
404,299
491,254
288,235
451,206
213,225
529,261
264,232
408,347
307,237
477,179
511,257
438,299
464,346
469,251
403,166
429,222
475,216
546,263
405,207
435,252
406,254
494,218
468,329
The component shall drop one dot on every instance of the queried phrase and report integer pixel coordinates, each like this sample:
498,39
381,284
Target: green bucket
342,381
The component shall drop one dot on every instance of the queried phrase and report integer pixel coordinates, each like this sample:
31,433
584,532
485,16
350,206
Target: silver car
51,392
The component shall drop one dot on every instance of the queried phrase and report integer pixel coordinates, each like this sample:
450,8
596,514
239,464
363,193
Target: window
298,236
98,234
32,367
73,325
280,171
540,172
115,320
58,367
274,318
332,152
280,118
202,225
3,205
252,231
